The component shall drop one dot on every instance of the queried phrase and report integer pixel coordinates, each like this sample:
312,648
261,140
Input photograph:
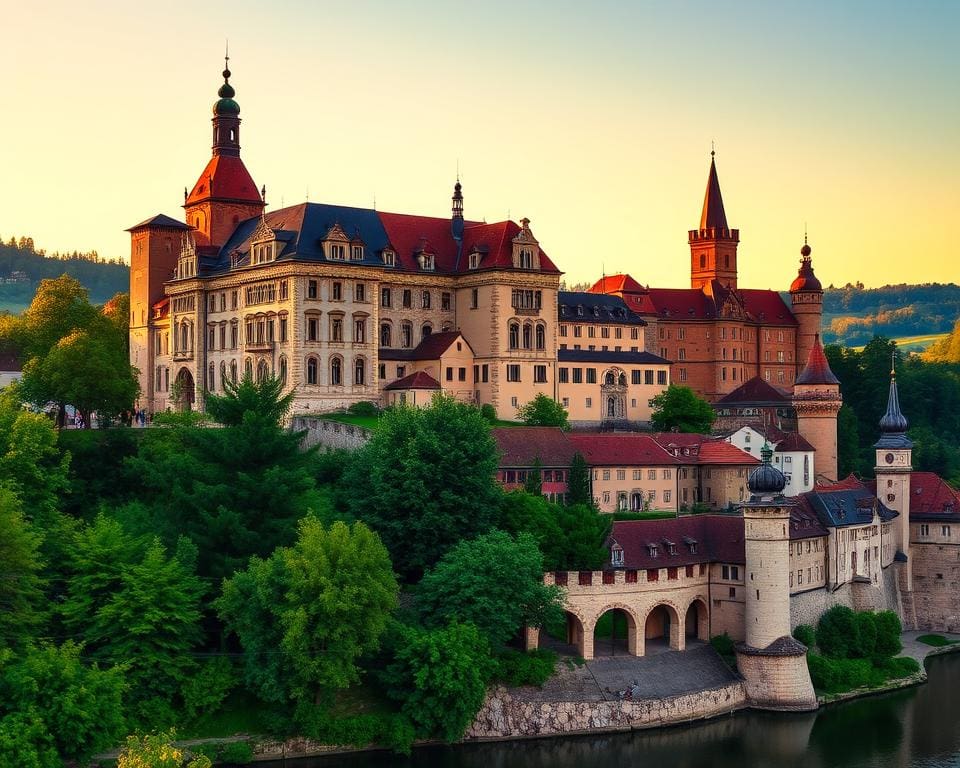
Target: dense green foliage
156,750
425,481
578,481
543,411
515,668
805,634
929,397
680,408
495,582
22,602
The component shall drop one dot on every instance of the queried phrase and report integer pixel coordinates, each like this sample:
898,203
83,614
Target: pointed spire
893,421
713,215
456,219
817,369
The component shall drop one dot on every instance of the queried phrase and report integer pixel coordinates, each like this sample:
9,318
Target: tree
71,706
157,750
425,481
838,634
59,307
543,411
323,602
570,537
21,582
533,483
152,622
578,482
439,677
248,400
494,582
848,442
680,408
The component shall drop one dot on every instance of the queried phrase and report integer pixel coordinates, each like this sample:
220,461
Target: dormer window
526,258
262,253
526,249
338,252
356,253
474,260
389,258
427,262
616,555
652,549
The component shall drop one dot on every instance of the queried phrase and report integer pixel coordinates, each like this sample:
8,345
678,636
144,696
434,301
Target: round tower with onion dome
806,299
772,662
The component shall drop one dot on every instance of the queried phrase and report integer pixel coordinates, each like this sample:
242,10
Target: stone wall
330,434
504,716
936,580
808,607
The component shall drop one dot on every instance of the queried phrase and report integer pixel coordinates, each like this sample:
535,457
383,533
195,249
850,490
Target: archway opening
566,636
184,392
696,624
614,634
662,630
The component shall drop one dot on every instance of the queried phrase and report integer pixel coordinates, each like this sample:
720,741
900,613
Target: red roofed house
521,448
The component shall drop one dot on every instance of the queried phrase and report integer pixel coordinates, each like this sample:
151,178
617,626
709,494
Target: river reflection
918,727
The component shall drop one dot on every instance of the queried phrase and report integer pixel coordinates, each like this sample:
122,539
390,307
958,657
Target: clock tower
894,465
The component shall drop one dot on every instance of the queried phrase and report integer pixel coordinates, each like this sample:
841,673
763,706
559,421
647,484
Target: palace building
348,304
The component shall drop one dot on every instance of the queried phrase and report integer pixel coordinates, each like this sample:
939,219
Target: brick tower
773,664
806,299
817,401
713,247
225,194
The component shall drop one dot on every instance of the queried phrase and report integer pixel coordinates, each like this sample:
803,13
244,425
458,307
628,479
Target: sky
594,120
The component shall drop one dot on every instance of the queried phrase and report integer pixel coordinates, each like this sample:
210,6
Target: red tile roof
617,284
755,391
623,449
722,452
930,494
850,483
716,538
225,178
416,380
519,446
794,441
805,279
691,448
817,369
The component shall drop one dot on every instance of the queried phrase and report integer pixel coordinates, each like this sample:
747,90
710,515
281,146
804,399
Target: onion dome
226,105
817,369
805,280
766,480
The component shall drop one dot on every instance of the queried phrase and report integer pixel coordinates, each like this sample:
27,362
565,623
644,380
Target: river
918,727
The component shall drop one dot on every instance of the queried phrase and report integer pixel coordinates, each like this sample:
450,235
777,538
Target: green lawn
937,641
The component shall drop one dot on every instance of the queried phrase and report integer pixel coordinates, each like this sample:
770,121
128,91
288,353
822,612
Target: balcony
258,346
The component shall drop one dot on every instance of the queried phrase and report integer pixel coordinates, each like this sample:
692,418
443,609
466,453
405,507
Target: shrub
867,630
722,644
238,752
838,634
205,690
389,729
902,666
488,412
823,674
888,634
363,408
805,634
531,668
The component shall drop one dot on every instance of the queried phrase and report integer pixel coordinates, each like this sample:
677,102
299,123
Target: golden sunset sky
595,120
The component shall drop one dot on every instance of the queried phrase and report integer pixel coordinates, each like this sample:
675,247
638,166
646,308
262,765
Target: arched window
541,337
233,371
609,379
283,370
527,336
425,331
223,374
623,379
406,334
211,378
425,300
386,335
248,368
514,335
311,370
183,337
262,370
359,371
336,372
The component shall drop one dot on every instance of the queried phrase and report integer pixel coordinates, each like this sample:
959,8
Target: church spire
713,215
456,218
893,421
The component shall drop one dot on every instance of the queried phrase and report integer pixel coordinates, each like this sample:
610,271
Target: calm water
919,727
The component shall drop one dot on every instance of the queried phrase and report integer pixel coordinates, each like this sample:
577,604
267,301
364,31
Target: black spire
713,215
893,424
456,220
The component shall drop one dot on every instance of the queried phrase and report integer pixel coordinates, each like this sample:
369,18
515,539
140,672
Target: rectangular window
621,474
578,375
563,331
577,331
312,325
944,530
474,298
924,530
635,376
336,329
513,372
540,374
425,300
385,297
662,378
360,292
311,289
444,300
563,375
591,375
337,291
648,378
606,474
359,331
449,373
725,572
653,574
407,298
672,572
462,374
589,402
485,373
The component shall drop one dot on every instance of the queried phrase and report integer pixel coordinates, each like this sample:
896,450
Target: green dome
226,91
226,107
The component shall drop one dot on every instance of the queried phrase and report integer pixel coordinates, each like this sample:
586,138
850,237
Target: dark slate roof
585,307
306,225
754,392
717,538
599,356
804,523
415,380
848,506
519,446
713,215
161,221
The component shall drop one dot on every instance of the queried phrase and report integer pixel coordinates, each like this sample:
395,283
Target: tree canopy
680,408
543,411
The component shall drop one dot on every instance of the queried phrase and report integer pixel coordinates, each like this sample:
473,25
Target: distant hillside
947,349
915,314
22,267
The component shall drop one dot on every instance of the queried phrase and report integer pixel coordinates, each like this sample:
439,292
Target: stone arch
664,620
634,648
697,619
577,635
185,389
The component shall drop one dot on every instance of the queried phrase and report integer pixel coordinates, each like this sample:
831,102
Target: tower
817,401
894,465
456,212
225,194
806,299
773,664
713,247
154,248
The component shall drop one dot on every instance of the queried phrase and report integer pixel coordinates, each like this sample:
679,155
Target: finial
893,364
226,60
184,194
713,149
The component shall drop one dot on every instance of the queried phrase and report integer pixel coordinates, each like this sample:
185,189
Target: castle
349,304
